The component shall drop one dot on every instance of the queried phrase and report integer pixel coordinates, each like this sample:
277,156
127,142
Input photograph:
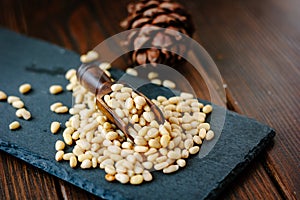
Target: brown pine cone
150,17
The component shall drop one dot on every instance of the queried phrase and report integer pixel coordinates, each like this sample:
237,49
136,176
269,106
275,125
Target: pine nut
18,104
59,145
207,109
59,155
186,95
73,161
131,71
14,125
25,88
55,126
181,162
89,57
109,177
156,81
62,109
160,166
67,156
147,176
136,180
55,89
22,112
3,96
141,149
105,66
122,178
206,126
169,84
209,135
109,169
70,73
171,169
164,140
86,164
194,149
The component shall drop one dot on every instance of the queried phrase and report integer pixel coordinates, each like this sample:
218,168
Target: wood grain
255,45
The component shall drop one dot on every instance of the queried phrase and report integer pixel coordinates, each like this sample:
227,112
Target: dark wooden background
256,46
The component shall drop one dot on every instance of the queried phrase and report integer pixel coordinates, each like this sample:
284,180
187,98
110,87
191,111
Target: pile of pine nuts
98,143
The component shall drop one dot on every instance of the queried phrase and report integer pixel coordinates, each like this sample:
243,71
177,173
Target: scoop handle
93,78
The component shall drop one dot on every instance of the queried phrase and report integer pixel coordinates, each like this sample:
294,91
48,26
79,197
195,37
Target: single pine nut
55,89
62,109
67,156
209,135
194,149
14,125
59,145
59,155
136,180
181,162
109,177
86,164
206,126
141,149
202,133
73,161
207,109
70,73
131,71
25,88
147,176
18,104
171,169
186,95
109,169
55,126
169,84
122,178
139,101
160,166
152,75
105,66
3,96
164,140
89,57
117,87
156,81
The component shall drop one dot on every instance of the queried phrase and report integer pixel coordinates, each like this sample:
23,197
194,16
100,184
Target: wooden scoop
96,81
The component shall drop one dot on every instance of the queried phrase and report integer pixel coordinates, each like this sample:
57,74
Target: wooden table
256,46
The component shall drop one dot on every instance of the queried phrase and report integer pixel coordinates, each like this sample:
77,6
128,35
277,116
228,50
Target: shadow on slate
23,59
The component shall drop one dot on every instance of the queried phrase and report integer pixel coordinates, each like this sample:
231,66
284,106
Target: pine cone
150,17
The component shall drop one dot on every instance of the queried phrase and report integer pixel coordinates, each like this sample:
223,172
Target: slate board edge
242,165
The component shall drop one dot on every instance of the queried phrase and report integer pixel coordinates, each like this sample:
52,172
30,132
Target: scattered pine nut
3,96
22,112
55,105
156,81
110,177
89,57
12,99
59,145
55,126
61,109
207,109
18,104
14,125
131,71
70,73
152,75
169,84
105,66
59,155
24,88
209,135
55,89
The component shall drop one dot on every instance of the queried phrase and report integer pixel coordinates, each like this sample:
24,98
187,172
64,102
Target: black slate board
23,59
